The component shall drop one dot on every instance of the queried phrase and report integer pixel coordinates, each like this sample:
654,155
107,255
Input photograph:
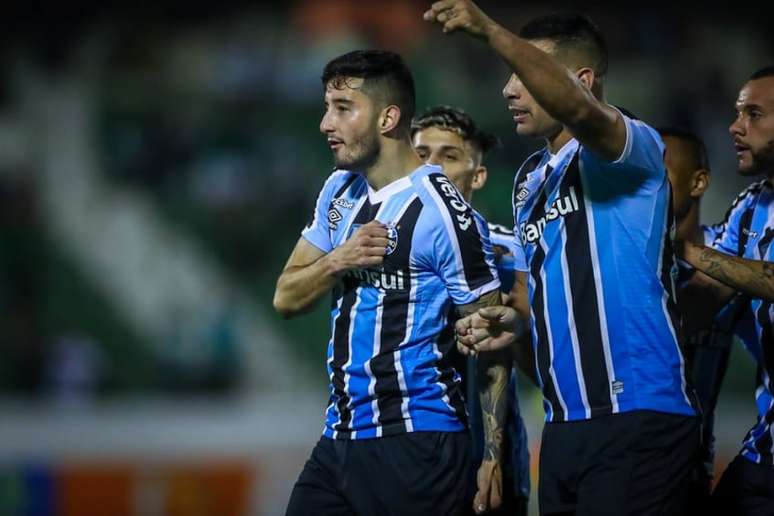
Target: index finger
437,8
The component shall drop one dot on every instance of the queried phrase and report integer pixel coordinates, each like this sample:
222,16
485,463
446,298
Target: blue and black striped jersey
595,239
747,232
392,326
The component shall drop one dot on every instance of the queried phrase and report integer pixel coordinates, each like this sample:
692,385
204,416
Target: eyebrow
748,106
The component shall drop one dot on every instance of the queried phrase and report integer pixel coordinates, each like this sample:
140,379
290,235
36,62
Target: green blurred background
157,162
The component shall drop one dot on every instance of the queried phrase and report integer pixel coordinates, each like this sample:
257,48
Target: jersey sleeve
727,238
462,252
644,148
519,257
317,231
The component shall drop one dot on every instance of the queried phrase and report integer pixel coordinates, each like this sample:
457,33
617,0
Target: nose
325,124
737,127
434,159
512,88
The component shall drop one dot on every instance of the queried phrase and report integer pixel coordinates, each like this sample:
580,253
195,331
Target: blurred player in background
449,137
399,248
593,219
739,262
707,342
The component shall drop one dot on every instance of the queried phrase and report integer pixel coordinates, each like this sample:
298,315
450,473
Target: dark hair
454,119
699,157
571,31
767,71
385,75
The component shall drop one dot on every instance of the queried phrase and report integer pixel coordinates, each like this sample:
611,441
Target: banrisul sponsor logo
561,207
380,278
461,209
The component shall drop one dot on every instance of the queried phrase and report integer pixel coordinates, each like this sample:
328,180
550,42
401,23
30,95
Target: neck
557,141
688,228
397,159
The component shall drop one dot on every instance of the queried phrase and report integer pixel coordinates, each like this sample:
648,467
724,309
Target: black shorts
635,463
417,473
745,489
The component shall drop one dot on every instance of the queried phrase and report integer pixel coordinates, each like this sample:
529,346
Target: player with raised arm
400,249
592,215
447,136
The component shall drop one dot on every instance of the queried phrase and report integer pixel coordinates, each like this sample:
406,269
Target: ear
479,178
389,119
700,181
586,76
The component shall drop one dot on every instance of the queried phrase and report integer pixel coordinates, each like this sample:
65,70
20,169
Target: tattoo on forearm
493,375
753,277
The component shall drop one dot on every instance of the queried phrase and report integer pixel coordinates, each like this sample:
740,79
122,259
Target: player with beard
739,262
404,255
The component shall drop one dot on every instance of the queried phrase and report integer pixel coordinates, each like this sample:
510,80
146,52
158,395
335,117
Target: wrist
493,32
332,266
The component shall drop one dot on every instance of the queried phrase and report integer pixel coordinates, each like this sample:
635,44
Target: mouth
335,143
519,115
741,149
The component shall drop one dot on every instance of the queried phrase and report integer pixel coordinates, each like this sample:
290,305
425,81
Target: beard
762,161
365,152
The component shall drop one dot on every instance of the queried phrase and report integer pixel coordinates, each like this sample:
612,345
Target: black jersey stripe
550,389
341,337
454,391
394,321
584,295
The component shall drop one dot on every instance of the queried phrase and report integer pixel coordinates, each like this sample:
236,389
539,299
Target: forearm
493,370
300,287
754,278
551,84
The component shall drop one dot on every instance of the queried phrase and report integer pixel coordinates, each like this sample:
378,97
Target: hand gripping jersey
392,326
747,232
595,239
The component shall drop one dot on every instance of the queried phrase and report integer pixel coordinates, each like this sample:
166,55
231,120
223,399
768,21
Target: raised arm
565,95
310,273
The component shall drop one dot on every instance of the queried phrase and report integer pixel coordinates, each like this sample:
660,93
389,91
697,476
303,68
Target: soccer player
399,248
740,260
593,217
449,137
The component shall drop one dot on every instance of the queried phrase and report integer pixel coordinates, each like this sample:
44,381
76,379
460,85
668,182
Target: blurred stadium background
157,161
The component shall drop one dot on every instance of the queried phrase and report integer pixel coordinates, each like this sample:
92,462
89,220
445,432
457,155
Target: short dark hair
385,76
698,151
571,32
767,71
454,119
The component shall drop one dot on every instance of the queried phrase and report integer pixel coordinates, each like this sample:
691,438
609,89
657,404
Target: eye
342,109
422,154
755,114
451,157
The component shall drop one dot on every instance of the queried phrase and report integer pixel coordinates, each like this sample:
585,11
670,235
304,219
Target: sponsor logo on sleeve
462,211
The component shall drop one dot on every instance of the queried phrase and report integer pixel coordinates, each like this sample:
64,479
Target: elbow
283,306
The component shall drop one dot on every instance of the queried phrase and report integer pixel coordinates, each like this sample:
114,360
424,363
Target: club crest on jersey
334,217
561,207
454,199
392,238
